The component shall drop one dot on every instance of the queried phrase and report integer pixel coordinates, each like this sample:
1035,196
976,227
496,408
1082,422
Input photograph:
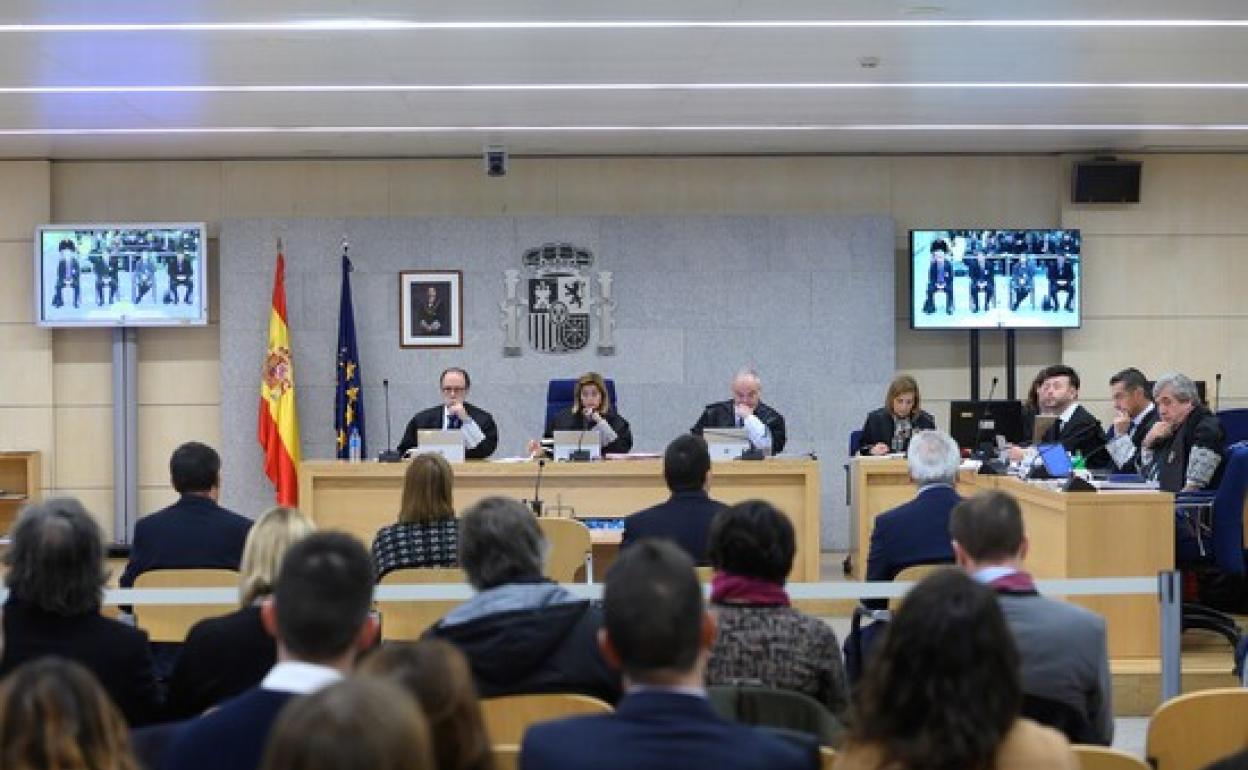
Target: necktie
740,422
453,422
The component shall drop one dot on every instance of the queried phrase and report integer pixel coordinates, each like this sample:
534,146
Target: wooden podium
360,498
1072,535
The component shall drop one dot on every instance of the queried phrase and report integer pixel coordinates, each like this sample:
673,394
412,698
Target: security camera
495,160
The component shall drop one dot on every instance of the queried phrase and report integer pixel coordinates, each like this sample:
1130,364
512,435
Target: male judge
764,426
455,413
1075,429
1134,417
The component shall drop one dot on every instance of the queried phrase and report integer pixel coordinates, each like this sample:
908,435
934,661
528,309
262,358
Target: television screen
995,279
121,275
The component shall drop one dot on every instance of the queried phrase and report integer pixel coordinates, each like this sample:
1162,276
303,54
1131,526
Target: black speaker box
1106,181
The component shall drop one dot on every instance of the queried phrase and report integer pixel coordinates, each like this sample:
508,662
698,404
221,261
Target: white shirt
756,431
989,574
468,428
299,678
1122,448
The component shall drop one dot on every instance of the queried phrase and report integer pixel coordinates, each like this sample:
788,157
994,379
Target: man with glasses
455,413
764,426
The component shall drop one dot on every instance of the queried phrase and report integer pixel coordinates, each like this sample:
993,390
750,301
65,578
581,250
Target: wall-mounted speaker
1106,181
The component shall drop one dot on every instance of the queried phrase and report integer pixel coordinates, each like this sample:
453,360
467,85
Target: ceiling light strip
848,127
398,25
581,87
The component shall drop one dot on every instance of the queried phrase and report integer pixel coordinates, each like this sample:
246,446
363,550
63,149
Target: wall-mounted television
995,279
148,274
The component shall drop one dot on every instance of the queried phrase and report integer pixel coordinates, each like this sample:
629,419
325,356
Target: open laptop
726,443
448,443
1052,462
567,442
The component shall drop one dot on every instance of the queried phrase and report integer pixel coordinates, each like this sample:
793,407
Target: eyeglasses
451,389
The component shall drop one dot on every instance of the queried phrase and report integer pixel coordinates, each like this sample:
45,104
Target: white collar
1070,412
1139,418
299,678
989,574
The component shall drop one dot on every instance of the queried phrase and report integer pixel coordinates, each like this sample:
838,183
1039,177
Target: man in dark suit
56,581
686,516
1075,428
1061,278
319,614
1185,448
939,277
917,532
181,274
432,316
455,413
983,274
1061,646
68,274
194,532
1134,416
764,426
659,633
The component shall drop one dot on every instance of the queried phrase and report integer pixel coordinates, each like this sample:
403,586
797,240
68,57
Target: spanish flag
278,423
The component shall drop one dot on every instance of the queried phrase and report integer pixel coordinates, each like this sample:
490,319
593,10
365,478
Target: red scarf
739,589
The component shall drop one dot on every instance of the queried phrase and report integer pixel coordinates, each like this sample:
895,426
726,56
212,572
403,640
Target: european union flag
349,399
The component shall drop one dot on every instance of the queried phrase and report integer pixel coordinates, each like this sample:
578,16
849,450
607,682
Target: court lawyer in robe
890,428
455,413
1184,450
1134,417
764,426
1075,429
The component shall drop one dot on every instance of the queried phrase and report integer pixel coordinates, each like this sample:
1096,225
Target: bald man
764,426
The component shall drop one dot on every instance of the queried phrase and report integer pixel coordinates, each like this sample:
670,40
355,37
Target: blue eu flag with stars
349,399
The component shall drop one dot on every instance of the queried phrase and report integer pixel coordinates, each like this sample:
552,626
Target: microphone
580,455
388,456
1217,391
536,502
985,453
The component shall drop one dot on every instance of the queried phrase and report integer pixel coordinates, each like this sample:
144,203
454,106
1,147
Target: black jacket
566,419
431,419
685,519
1170,457
222,657
879,427
722,414
116,653
1081,433
550,648
193,533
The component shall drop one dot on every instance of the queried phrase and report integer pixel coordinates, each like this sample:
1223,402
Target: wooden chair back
570,549
507,717
506,756
171,622
1102,758
705,574
1191,731
914,574
407,621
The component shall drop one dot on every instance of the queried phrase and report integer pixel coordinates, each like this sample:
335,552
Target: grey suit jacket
1064,656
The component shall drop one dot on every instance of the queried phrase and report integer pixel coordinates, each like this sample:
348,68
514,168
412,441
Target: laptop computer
448,443
567,442
726,443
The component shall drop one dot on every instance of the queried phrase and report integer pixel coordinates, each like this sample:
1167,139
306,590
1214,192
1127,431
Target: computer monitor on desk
972,423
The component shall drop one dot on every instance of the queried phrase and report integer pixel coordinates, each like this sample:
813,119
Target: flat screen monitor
121,275
995,279
972,423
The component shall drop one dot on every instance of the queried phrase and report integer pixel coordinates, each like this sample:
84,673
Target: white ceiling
1102,114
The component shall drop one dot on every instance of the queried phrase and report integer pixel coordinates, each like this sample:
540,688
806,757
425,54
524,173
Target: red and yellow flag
279,424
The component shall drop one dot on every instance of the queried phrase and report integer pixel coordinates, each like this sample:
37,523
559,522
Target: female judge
591,410
889,429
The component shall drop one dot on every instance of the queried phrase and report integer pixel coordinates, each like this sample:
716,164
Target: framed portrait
431,309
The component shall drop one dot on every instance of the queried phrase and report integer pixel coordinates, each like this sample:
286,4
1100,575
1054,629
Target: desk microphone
536,502
388,456
1217,391
985,453
580,455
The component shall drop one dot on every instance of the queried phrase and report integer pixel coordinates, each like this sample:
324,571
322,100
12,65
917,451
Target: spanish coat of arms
558,296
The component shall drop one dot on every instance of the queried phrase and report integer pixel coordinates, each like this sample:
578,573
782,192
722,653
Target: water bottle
354,452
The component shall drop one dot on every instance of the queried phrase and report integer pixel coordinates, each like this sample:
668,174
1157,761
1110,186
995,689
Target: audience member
194,532
319,613
426,534
762,640
358,724
660,634
224,656
56,583
917,532
764,426
436,673
521,632
1134,417
1061,646
55,716
889,428
1183,451
686,516
943,690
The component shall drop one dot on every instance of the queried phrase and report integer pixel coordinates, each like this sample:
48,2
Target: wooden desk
360,498
19,485
1072,535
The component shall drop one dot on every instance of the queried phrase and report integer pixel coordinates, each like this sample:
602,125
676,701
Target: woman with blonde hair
889,429
55,716
591,410
426,534
224,656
